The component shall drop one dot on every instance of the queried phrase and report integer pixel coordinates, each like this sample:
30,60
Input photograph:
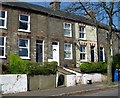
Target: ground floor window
24,48
2,46
83,53
67,51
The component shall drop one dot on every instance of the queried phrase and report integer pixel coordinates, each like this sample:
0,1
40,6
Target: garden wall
94,77
41,82
70,80
13,83
82,78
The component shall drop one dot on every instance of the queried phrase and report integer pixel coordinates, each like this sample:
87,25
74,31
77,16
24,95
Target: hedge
19,66
45,68
93,67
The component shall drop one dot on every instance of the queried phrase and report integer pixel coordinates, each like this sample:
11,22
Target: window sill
83,60
68,36
20,30
2,57
25,58
68,58
82,38
3,28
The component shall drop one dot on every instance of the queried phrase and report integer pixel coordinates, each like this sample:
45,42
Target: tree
99,12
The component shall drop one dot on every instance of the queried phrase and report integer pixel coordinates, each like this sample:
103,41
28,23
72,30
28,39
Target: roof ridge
56,13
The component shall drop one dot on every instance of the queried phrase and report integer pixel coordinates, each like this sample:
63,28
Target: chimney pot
55,5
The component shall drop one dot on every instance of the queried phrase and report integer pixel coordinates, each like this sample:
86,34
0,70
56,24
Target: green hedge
19,66
93,67
45,68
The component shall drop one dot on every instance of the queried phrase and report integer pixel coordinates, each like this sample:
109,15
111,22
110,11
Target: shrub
45,68
17,65
93,67
52,66
116,62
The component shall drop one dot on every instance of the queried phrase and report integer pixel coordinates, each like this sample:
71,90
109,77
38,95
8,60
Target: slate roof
55,13
49,11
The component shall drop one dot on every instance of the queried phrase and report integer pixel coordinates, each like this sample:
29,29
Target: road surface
108,92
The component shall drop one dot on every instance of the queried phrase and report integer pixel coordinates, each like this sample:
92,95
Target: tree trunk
109,63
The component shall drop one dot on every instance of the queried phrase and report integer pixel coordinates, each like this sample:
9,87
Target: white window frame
82,33
5,20
84,60
4,46
71,57
70,29
28,22
28,48
103,55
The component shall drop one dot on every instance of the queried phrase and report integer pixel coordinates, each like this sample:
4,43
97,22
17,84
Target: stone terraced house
42,34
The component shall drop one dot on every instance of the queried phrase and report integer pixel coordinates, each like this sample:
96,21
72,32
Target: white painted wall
78,75
83,78
70,80
95,77
13,83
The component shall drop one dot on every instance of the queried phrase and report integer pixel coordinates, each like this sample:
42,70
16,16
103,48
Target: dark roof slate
51,12
55,13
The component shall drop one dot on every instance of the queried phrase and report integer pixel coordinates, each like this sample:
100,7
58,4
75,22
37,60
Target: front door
55,51
92,53
39,51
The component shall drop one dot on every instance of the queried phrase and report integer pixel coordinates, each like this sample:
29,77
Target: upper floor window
107,34
68,51
3,19
24,23
82,34
2,46
24,48
68,29
83,54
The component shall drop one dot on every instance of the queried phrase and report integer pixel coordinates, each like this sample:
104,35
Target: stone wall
102,38
41,82
42,27
91,40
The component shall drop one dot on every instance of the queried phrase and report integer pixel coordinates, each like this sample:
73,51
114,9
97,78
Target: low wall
13,83
41,82
80,78
70,80
95,77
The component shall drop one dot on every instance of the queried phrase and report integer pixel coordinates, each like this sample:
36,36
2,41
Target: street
108,92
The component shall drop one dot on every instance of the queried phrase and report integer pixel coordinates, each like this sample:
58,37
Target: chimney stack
91,12
55,5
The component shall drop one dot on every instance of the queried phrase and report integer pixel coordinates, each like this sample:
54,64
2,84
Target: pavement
65,91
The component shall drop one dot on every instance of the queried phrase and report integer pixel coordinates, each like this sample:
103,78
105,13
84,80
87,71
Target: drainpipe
97,31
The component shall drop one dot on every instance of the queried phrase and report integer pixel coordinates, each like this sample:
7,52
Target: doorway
39,51
55,51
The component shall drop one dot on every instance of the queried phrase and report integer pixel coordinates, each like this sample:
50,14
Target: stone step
60,69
